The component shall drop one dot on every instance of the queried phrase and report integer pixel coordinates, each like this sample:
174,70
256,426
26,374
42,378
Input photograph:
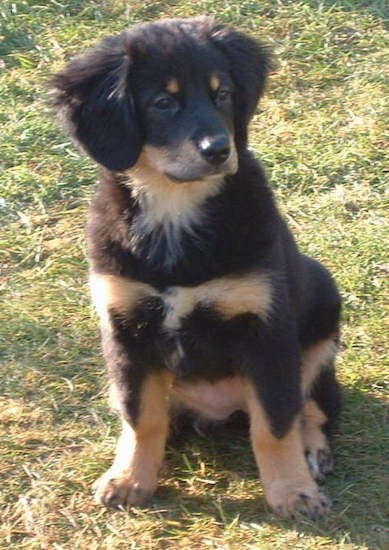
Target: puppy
205,302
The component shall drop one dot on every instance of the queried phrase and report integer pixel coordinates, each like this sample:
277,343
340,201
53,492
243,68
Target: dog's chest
160,239
177,325
170,221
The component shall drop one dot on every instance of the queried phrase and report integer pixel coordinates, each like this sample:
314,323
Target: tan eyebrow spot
172,86
215,82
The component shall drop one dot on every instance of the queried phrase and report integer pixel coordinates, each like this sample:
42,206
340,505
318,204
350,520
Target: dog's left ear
94,103
250,62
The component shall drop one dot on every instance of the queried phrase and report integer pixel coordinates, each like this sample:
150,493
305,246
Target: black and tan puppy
205,302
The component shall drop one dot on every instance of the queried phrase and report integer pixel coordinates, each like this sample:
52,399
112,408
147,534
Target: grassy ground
320,136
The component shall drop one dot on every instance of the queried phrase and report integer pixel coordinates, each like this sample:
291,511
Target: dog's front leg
130,316
274,403
133,476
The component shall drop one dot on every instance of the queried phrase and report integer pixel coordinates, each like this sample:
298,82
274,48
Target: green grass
319,133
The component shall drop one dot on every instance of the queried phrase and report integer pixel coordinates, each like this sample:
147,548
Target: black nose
215,150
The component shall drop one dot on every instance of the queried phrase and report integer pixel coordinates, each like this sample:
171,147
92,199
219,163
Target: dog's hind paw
320,463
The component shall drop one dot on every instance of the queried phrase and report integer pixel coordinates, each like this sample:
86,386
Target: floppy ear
93,101
250,62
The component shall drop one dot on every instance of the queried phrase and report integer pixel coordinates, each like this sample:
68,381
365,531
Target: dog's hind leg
321,410
319,386
316,446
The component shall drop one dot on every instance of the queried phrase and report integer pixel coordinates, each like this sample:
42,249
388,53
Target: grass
319,133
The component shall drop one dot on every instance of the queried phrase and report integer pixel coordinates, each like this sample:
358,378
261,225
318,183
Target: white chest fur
167,209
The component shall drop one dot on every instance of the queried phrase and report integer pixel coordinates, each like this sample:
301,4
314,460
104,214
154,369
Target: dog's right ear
93,100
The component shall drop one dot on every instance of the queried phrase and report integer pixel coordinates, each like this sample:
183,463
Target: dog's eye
223,95
164,103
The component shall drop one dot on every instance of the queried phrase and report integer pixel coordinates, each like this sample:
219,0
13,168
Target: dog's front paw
291,500
122,490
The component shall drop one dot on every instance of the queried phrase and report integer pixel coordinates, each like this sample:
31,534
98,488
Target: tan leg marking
316,357
230,296
112,291
289,487
133,475
315,443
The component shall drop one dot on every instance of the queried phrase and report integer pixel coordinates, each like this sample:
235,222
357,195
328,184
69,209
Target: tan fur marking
315,358
313,420
133,475
173,86
152,424
230,296
111,291
215,82
165,202
283,468
163,199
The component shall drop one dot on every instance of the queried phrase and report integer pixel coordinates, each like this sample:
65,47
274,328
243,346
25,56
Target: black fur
94,102
106,100
241,220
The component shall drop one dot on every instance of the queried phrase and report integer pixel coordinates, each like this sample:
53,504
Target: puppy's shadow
203,471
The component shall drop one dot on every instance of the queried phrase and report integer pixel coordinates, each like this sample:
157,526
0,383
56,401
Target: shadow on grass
357,486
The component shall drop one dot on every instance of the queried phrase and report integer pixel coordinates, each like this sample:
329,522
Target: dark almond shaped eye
164,103
223,94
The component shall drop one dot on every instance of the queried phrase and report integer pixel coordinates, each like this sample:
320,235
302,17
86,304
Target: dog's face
185,113
181,92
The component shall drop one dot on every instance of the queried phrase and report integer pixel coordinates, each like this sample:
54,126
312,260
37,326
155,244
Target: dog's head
182,91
